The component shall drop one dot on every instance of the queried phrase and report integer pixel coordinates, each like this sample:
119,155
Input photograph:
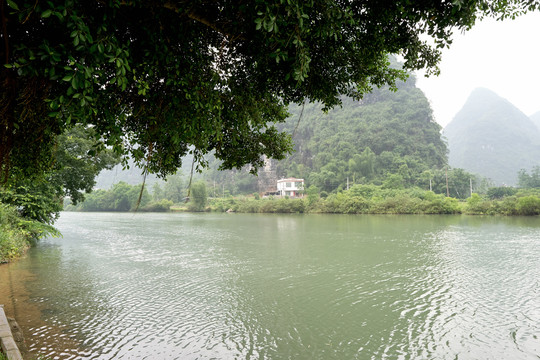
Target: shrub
248,206
500,192
402,204
528,205
506,206
354,205
439,204
17,233
222,205
478,206
198,197
162,205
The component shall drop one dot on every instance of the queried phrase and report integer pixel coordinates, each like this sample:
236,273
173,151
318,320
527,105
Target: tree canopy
159,79
72,174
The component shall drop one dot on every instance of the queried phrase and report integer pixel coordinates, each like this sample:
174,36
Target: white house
290,187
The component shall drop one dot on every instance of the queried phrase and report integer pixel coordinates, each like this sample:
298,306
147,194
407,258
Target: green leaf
46,13
12,5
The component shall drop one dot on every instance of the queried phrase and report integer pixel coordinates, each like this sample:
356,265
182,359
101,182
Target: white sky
503,56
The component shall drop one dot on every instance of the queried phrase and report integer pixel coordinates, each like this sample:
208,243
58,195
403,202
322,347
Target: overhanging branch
192,14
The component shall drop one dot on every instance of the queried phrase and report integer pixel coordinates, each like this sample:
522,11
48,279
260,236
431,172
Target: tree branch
192,14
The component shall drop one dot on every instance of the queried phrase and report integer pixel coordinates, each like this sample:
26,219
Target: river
254,286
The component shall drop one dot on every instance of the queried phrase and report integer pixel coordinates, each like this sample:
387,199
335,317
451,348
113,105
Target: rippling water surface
226,286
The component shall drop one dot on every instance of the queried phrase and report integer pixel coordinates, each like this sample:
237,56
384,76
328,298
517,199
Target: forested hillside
491,137
386,137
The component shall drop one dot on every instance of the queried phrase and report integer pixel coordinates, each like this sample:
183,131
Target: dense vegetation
31,205
126,197
18,233
389,138
386,148
359,199
157,80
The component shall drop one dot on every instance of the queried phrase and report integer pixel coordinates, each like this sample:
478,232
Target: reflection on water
183,286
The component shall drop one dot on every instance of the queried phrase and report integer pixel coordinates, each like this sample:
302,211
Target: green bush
222,204
199,197
401,204
248,206
476,205
312,195
121,197
500,192
17,233
13,244
162,205
354,205
268,206
365,191
506,206
290,206
528,205
439,204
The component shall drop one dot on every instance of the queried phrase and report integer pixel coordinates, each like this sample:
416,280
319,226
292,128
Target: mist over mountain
493,138
133,176
536,119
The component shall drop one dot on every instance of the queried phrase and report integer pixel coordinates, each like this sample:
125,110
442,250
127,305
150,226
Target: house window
288,184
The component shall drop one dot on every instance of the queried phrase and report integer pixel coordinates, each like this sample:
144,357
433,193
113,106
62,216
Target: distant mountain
536,119
493,138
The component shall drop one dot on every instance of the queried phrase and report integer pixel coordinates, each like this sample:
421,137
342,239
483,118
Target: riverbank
370,199
359,199
14,240
18,234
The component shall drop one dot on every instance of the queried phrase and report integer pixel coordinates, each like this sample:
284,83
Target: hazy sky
503,56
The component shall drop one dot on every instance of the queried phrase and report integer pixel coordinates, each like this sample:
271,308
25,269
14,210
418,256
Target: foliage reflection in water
183,286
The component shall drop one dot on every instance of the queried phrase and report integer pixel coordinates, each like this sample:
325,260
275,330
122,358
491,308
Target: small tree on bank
198,196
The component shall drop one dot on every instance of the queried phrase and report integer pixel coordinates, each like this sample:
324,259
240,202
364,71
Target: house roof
291,180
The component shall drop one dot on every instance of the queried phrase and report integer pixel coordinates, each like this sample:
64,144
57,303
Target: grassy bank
372,199
359,199
18,234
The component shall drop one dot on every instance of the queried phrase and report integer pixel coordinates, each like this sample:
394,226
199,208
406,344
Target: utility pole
430,185
347,183
470,182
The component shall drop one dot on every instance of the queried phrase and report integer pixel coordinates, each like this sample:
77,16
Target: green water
234,286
